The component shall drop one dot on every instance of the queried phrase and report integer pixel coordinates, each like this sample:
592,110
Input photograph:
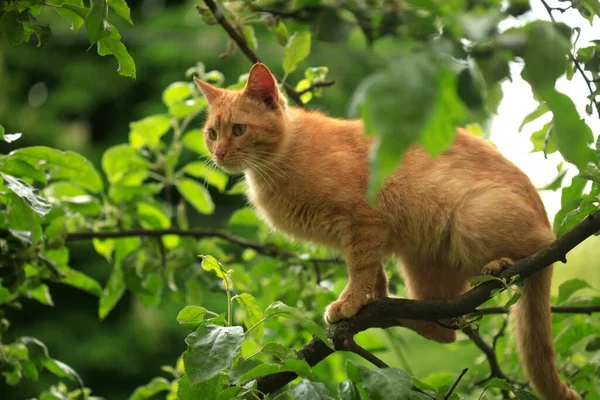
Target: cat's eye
212,134
239,129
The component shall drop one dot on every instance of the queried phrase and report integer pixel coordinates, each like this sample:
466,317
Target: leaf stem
255,325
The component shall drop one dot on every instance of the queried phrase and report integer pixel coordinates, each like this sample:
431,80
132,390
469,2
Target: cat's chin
231,169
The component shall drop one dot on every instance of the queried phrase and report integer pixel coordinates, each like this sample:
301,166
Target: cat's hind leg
429,285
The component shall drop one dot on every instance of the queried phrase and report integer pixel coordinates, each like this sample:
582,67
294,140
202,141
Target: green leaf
63,165
41,293
113,291
575,216
439,130
545,55
543,140
9,137
38,352
556,183
253,314
308,390
191,315
207,390
300,367
591,173
96,25
27,193
301,86
477,280
23,222
150,389
120,6
241,368
281,352
152,217
194,140
211,349
73,10
513,299
176,91
347,391
571,134
123,165
29,370
281,33
12,28
80,281
569,287
297,49
113,45
19,168
62,370
250,36
598,147
149,131
385,383
546,58
577,330
214,177
209,263
187,108
397,105
278,309
5,295
540,110
196,195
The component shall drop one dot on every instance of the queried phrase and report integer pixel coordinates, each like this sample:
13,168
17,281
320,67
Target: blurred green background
68,97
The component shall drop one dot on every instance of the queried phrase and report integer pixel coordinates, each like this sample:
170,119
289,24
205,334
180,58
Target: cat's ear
209,91
261,84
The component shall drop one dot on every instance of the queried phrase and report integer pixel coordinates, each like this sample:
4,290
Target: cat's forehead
233,109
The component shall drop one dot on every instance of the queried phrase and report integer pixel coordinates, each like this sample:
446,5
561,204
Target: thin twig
315,85
447,396
352,346
500,333
301,14
243,45
317,272
267,249
495,370
588,81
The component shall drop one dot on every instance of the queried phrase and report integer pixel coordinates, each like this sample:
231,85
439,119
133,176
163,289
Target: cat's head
244,128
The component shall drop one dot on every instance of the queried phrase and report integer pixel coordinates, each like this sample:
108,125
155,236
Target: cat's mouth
230,166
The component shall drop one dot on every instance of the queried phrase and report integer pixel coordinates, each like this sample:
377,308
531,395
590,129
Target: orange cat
444,218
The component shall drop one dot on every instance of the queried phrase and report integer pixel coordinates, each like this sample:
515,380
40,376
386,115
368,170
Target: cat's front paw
496,266
341,309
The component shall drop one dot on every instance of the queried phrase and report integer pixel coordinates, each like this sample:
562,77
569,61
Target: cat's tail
534,338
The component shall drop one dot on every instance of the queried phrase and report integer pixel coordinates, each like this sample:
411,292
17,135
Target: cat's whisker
272,167
256,168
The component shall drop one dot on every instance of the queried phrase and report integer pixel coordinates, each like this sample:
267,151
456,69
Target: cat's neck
306,133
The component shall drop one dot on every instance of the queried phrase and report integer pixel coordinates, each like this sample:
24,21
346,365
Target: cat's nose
220,154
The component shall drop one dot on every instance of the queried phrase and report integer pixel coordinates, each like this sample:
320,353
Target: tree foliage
249,297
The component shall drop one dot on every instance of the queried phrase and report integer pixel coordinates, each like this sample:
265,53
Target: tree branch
351,345
388,312
267,249
447,396
243,45
495,370
555,309
315,85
